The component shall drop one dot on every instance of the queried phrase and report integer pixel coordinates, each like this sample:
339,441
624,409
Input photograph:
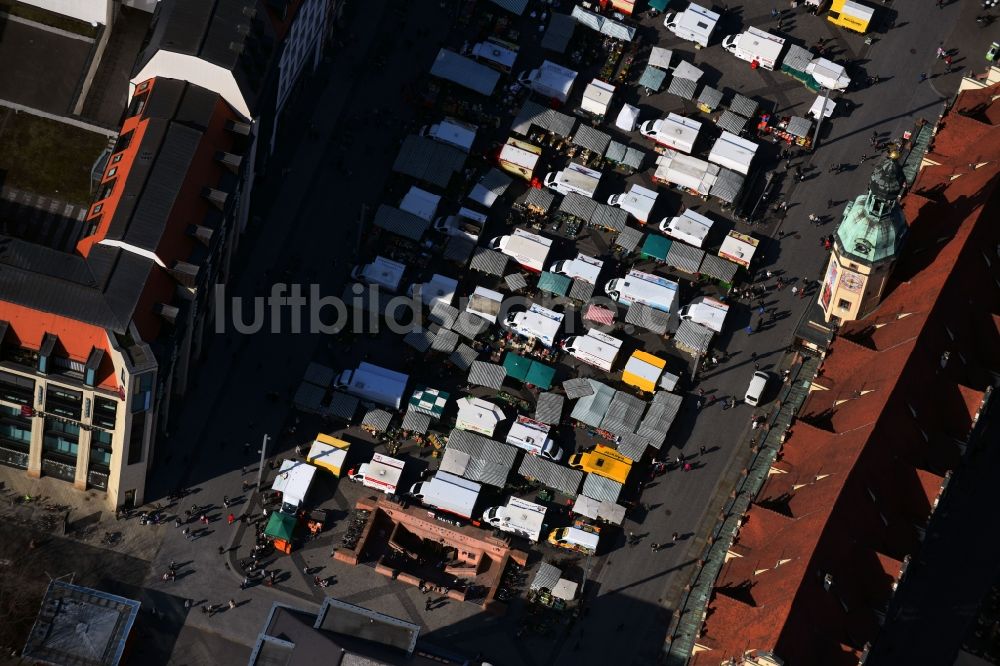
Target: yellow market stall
643,371
329,453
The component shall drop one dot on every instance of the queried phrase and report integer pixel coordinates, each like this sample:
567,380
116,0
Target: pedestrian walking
687,467
947,64
795,290
756,365
177,522
775,13
225,501
246,449
874,139
244,469
674,537
940,4
231,518
245,583
203,519
864,158
187,533
923,77
830,203
753,356
427,605
221,550
654,547
702,450
232,603
802,293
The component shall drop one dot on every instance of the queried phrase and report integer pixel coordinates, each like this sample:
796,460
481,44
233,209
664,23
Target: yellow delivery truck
643,371
329,453
603,461
851,15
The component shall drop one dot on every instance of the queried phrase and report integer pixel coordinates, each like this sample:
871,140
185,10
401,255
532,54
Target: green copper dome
873,226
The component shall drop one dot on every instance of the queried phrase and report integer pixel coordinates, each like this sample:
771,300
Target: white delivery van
597,98
674,131
550,80
638,201
596,348
448,492
583,268
374,384
655,291
497,53
756,389
574,538
533,437
574,178
695,24
452,132
733,152
518,516
709,312
755,45
465,222
383,272
528,249
439,289
536,322
689,227
382,473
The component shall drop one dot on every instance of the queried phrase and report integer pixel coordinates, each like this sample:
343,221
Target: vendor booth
293,482
329,453
739,248
280,530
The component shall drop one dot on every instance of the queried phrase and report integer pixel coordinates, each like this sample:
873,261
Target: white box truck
449,493
533,437
733,152
452,132
674,131
550,80
383,272
465,222
638,201
689,227
382,473
536,322
518,516
755,45
655,291
709,312
583,268
695,24
596,348
528,249
574,178
373,383
597,98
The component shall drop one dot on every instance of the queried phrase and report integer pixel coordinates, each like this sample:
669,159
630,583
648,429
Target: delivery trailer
597,98
695,24
583,268
383,272
651,290
690,227
518,516
536,322
756,45
643,371
449,493
638,201
674,131
528,249
550,80
709,312
595,348
374,383
519,158
293,481
575,178
733,152
533,437
382,473
453,132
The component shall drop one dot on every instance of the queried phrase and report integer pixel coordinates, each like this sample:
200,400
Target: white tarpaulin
477,415
293,481
686,70
828,74
817,105
627,118
603,25
733,152
689,227
685,171
738,248
660,57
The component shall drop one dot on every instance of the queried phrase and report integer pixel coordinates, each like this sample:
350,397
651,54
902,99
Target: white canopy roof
421,203
660,57
627,118
817,105
478,415
828,74
294,478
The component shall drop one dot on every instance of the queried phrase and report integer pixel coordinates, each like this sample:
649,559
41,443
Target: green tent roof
553,283
528,371
656,247
280,526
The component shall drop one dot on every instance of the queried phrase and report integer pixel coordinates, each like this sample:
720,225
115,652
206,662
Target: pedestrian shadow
185,573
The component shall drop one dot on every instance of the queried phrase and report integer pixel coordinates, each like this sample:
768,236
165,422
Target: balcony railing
59,470
97,479
12,458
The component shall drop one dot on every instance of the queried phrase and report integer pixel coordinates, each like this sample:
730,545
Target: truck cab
603,461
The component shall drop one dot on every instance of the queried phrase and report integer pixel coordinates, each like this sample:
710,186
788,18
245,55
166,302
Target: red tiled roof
866,459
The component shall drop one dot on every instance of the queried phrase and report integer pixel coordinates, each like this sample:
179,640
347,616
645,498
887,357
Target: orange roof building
821,551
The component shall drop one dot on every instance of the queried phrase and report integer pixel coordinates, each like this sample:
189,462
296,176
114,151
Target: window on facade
63,402
142,390
844,304
106,191
16,389
105,411
123,142
111,172
135,437
61,438
116,159
138,103
15,430
100,448
97,209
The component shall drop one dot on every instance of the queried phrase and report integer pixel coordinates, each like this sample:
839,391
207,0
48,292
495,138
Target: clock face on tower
852,282
862,246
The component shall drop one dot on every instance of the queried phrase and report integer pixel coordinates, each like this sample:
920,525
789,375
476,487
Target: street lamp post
260,469
819,120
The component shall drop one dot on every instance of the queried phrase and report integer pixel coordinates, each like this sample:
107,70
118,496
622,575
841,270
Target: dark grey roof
659,417
549,408
377,419
443,314
537,197
445,340
478,458
559,32
465,72
551,475
615,151
732,122
415,421
513,6
577,388
718,268
710,97
581,290
488,261
629,238
489,375
578,206
727,186
463,356
684,257
743,105
623,414
683,88
546,577
634,157
632,446
609,217
693,337
419,339
515,282
591,139
428,160
533,113
640,314
222,33
342,406
458,248
400,222
469,325
600,488
798,126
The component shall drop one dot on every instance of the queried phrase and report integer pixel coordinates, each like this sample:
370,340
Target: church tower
865,248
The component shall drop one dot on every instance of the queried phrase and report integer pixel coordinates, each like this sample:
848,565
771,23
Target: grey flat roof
684,257
400,222
549,408
719,268
629,238
551,475
640,314
600,488
428,160
559,32
465,72
488,261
